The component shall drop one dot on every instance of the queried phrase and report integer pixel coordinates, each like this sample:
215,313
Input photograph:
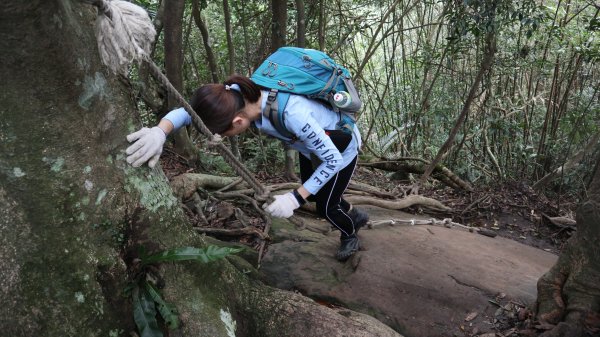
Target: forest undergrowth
511,209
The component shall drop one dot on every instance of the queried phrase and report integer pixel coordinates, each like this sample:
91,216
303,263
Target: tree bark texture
569,294
322,25
173,35
228,33
74,214
300,24
278,37
279,23
210,56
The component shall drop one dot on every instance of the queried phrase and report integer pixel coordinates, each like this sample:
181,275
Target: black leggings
330,203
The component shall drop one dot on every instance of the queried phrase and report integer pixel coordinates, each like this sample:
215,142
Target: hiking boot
359,217
348,246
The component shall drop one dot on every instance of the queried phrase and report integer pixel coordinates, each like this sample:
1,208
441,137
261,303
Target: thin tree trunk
190,50
322,25
486,64
278,38
279,23
228,32
158,23
174,67
573,162
375,40
233,141
210,56
300,24
290,154
241,9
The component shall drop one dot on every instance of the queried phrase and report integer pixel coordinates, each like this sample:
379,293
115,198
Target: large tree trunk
569,294
74,215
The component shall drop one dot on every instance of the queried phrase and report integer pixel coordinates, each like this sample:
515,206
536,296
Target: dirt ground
512,210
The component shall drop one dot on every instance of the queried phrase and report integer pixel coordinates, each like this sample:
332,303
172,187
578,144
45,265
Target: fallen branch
482,199
406,202
361,187
276,187
410,165
266,219
197,207
561,222
570,164
230,232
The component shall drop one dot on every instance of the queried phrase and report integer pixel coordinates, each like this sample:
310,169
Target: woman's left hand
283,206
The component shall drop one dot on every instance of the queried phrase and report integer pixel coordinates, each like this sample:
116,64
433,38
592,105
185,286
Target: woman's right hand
147,147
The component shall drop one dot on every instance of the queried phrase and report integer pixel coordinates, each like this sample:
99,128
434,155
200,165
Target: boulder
421,280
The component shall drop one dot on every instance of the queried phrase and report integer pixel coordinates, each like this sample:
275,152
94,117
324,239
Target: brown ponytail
250,90
217,106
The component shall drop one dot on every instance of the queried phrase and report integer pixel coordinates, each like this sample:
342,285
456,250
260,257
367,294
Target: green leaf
167,311
208,254
144,314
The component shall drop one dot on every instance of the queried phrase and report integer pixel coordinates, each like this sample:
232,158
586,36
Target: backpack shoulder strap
276,102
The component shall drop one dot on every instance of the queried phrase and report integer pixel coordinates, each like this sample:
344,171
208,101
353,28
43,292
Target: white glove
283,206
147,147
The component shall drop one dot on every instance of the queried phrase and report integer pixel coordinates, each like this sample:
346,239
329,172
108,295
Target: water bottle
342,99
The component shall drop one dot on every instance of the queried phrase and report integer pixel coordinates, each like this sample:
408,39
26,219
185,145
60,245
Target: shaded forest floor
512,210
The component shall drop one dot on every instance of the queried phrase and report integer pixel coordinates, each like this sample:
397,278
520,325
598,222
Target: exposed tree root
185,185
411,165
406,202
230,232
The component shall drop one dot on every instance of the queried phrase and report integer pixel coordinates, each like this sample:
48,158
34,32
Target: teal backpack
310,73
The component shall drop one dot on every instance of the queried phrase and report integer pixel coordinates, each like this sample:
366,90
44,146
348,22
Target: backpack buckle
307,61
289,86
270,70
272,96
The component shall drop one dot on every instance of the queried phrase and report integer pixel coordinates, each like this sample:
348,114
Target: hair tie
234,86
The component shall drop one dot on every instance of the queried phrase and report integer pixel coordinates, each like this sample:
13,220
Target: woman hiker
229,109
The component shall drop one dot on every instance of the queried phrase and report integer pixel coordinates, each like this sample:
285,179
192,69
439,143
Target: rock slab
421,280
